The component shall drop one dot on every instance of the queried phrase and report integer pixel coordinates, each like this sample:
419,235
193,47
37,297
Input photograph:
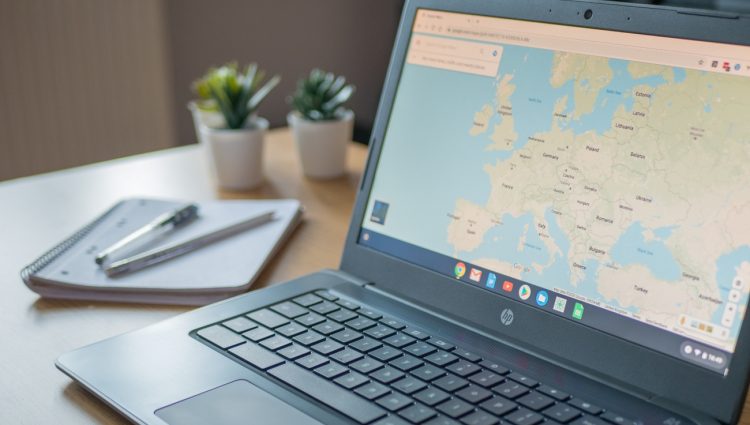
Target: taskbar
556,301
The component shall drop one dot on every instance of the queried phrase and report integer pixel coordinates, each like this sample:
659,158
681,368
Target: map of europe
621,183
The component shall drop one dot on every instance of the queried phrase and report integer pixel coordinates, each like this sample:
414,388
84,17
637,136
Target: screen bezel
607,357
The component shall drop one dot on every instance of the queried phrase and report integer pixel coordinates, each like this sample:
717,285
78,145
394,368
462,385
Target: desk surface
39,211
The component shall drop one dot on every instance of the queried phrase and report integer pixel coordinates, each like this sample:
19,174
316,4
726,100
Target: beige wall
81,81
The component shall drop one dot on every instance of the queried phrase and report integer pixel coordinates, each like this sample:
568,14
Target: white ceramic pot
237,155
212,119
322,144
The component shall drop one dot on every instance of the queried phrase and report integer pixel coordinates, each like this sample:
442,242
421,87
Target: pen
159,255
160,225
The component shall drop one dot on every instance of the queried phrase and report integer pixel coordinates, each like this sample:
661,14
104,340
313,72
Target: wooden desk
39,211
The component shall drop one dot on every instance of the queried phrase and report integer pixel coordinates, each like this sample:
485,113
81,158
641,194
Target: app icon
379,211
560,304
524,292
475,275
507,286
578,311
459,270
737,67
491,279
714,64
542,298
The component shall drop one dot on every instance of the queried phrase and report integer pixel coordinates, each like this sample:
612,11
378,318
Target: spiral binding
59,249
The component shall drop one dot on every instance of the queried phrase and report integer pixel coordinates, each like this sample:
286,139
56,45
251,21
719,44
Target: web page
600,176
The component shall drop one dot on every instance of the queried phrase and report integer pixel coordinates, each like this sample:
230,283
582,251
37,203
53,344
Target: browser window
599,176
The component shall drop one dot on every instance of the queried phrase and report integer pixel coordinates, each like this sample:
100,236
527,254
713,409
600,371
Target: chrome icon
460,270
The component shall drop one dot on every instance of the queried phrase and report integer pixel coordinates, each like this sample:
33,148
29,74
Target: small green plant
321,95
236,95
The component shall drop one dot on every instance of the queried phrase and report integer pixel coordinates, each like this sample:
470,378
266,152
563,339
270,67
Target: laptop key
257,356
455,408
385,353
380,332
348,304
371,314
585,406
416,333
307,300
395,324
441,358
391,420
479,418
328,327
328,393
331,370
289,309
420,349
417,413
327,347
428,373
326,295
399,340
347,355
441,344
366,344
486,379
342,315
394,401
351,380
588,420
276,342
312,361
325,307
406,363
409,385
442,420
463,368
361,323
468,355
293,352
387,375
450,383
346,336
616,418
490,365
535,401
291,330
562,412
474,394
498,406
258,334
523,379
524,417
553,392
310,319
221,337
510,390
366,365
268,318
308,338
372,390
431,396
239,324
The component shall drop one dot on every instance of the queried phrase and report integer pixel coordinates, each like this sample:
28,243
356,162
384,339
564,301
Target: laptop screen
599,176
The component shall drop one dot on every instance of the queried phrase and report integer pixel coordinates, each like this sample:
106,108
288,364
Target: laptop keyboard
376,369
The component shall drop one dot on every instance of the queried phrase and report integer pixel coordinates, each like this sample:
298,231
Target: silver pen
157,227
159,255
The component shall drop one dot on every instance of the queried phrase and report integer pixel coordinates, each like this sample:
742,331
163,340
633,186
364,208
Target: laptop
551,229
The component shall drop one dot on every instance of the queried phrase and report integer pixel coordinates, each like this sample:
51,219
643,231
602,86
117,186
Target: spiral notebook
219,270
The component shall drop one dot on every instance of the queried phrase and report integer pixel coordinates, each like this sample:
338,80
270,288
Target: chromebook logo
459,270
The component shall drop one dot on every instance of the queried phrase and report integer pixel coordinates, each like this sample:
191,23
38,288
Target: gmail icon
475,275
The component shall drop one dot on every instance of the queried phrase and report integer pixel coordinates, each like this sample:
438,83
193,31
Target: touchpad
238,402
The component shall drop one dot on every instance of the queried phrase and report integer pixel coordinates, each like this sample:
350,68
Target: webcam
588,14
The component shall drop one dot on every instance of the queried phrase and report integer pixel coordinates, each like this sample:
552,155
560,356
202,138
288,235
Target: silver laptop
553,228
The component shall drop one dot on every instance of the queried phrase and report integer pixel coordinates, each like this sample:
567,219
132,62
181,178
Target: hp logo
506,317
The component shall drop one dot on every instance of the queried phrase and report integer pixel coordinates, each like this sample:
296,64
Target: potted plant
320,124
236,148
